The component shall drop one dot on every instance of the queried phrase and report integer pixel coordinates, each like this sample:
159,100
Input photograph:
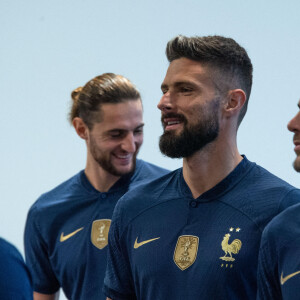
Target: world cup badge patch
186,251
99,234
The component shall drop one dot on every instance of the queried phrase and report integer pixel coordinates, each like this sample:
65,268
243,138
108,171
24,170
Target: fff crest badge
186,251
99,234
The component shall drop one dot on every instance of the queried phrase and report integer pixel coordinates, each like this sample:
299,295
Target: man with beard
279,256
67,228
195,233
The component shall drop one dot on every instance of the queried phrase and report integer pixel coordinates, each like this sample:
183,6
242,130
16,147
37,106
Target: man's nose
165,103
294,124
128,143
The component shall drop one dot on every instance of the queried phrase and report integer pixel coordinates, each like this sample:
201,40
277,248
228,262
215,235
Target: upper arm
37,256
38,296
118,281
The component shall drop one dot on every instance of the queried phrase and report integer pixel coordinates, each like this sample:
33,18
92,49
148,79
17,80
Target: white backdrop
48,48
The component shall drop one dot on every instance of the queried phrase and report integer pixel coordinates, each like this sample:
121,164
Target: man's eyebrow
122,129
177,84
140,126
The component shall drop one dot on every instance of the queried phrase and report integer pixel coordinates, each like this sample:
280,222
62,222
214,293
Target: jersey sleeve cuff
115,295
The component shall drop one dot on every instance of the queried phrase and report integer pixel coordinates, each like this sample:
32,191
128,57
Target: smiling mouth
124,156
172,121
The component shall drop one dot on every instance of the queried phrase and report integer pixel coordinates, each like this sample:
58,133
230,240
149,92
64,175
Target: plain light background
48,48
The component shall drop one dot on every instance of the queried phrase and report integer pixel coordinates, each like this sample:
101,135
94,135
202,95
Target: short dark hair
103,89
220,53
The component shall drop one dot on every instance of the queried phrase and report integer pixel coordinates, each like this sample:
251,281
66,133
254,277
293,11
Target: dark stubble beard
105,161
193,137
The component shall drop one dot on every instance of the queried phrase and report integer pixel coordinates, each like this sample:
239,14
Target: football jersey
15,281
66,233
164,244
279,257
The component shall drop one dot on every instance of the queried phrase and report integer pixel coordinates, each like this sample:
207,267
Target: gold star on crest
231,229
238,229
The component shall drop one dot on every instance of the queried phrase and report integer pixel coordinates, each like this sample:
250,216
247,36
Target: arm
38,296
118,281
268,286
44,280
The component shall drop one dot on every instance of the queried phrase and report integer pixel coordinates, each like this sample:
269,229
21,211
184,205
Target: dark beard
105,162
192,138
109,167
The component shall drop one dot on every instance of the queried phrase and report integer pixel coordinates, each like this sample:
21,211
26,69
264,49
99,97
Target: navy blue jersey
15,281
66,233
164,244
279,257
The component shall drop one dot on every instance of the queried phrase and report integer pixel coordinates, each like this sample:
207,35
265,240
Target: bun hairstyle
106,88
74,109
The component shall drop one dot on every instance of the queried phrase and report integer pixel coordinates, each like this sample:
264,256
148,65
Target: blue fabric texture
279,257
164,244
60,226
15,281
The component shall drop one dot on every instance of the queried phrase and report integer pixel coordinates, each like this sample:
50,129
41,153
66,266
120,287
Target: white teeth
173,122
123,156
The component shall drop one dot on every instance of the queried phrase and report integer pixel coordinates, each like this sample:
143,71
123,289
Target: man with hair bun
279,256
66,232
196,233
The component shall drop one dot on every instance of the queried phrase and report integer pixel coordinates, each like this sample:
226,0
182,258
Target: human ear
80,127
235,101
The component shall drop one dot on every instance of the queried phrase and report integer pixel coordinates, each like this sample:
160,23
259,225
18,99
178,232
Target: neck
100,179
209,166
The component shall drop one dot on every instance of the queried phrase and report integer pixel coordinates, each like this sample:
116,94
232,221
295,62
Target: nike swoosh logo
284,279
65,237
137,245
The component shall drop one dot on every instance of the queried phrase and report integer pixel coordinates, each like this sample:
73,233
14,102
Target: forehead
186,70
121,115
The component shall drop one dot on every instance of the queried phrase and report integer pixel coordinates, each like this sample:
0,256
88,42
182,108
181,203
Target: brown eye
138,131
116,134
185,90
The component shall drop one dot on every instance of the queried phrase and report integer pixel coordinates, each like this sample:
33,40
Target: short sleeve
291,198
37,259
118,282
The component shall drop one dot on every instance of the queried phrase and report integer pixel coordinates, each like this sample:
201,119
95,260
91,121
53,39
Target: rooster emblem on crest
234,247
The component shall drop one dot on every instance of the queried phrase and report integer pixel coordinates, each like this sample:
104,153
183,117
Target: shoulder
14,276
260,195
147,195
266,180
285,226
59,193
148,171
7,250
265,188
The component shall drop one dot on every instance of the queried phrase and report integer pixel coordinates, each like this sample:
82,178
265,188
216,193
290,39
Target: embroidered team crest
230,248
99,234
186,251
